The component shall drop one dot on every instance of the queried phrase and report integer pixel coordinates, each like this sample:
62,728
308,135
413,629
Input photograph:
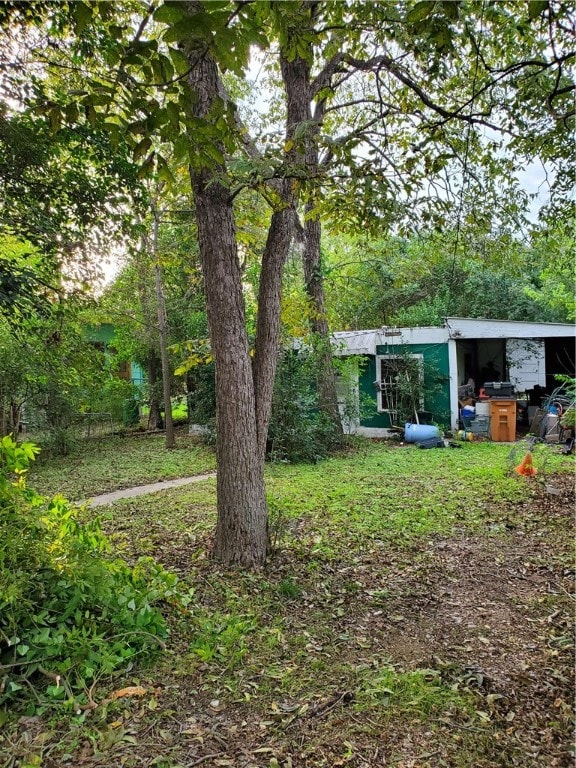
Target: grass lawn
107,464
416,612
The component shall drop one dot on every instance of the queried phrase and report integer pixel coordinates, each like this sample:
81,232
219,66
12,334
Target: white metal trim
453,386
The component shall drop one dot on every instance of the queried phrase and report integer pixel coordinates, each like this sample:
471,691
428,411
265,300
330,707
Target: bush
69,612
299,431
112,397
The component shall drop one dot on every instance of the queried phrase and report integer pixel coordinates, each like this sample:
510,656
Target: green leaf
163,171
157,70
181,148
536,8
450,8
82,17
91,115
113,131
173,114
170,14
147,167
181,63
441,38
421,11
71,111
213,152
182,30
55,119
167,68
141,148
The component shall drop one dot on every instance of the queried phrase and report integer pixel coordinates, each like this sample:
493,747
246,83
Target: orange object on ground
526,467
503,419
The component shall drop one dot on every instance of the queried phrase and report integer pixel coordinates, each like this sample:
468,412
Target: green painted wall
436,382
137,374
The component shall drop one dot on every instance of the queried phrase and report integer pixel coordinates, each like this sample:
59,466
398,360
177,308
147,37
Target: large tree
384,104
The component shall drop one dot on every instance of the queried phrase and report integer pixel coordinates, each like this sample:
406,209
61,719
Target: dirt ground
490,615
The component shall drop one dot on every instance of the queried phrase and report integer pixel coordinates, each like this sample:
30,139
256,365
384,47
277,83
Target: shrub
69,612
299,431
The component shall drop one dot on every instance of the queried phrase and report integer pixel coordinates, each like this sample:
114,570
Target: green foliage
201,383
222,638
23,279
64,192
568,384
118,462
298,430
111,396
69,612
420,280
568,420
418,693
555,289
51,373
288,589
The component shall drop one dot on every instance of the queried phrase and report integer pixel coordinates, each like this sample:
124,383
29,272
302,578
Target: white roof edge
506,322
365,342
468,327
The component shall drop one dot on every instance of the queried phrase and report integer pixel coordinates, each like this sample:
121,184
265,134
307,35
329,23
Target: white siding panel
526,363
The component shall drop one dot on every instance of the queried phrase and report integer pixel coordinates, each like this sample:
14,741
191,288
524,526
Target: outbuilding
426,373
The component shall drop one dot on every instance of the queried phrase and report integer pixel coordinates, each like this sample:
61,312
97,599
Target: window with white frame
400,386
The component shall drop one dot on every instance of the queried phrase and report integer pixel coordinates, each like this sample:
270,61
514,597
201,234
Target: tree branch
323,79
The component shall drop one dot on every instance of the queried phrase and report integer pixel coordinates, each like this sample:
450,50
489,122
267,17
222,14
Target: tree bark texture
241,530
268,318
296,76
314,284
153,362
153,366
170,441
163,330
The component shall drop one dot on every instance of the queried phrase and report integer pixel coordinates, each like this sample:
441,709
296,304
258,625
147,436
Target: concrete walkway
141,490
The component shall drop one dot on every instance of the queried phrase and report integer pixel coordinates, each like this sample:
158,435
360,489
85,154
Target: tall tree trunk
163,329
153,365
268,318
314,284
241,529
296,75
296,79
153,362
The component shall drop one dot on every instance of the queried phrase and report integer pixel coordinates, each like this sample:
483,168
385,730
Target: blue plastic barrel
413,433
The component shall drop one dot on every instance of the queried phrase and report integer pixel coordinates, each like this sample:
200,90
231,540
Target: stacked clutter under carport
553,421
493,416
502,409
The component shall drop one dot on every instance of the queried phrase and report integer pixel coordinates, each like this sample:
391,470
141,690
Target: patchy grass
394,494
417,611
108,464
